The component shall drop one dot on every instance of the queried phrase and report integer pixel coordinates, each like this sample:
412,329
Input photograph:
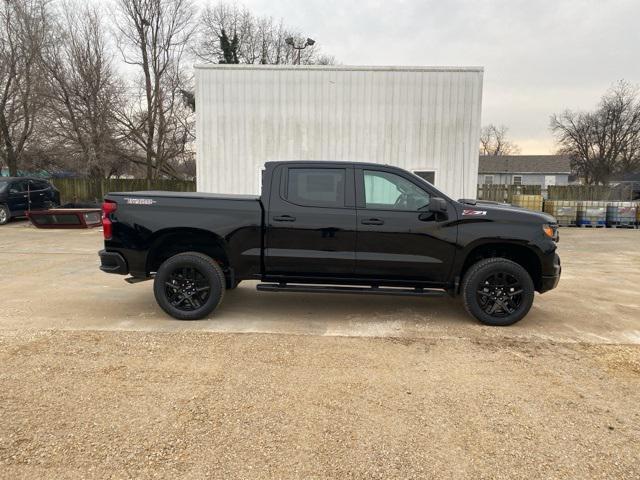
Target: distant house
542,170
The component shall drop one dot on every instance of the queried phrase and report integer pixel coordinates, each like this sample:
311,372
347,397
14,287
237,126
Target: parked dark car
21,194
332,227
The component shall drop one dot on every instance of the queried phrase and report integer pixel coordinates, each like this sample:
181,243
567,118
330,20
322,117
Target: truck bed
210,196
142,219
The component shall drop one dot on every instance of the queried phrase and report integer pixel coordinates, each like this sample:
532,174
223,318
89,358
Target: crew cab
332,227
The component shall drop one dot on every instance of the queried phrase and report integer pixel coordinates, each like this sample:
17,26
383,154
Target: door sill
404,292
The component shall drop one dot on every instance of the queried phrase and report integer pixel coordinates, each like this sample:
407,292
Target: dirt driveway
97,382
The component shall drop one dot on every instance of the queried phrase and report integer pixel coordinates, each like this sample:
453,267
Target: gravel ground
97,383
208,405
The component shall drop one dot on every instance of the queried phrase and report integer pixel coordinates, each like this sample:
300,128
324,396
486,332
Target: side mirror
437,205
435,211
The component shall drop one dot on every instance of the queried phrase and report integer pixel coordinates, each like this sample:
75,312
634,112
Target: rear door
311,221
397,237
18,198
38,193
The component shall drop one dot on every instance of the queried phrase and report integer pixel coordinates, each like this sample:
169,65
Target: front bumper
113,262
549,282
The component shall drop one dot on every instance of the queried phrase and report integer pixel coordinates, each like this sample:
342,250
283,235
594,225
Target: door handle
372,221
284,218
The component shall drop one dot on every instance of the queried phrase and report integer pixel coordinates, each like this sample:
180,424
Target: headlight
550,231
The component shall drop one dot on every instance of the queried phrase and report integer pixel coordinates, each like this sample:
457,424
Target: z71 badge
474,213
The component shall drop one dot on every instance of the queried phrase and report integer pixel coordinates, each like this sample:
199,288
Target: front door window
388,191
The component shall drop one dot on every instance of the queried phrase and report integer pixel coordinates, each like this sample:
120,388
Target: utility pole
291,41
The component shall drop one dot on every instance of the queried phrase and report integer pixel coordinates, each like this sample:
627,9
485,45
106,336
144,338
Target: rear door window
316,187
38,185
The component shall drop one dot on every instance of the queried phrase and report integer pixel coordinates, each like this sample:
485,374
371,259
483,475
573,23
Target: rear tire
497,291
189,286
5,214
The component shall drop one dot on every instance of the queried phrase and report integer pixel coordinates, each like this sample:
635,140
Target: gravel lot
96,382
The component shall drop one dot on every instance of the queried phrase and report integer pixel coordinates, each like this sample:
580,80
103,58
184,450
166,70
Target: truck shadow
245,309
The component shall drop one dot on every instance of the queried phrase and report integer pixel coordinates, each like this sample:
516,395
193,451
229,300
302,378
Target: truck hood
506,211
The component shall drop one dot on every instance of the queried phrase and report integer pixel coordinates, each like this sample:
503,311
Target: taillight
108,207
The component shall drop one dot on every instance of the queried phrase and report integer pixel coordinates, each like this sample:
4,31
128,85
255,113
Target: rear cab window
316,187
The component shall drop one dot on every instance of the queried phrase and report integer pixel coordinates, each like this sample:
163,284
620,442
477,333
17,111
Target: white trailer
423,119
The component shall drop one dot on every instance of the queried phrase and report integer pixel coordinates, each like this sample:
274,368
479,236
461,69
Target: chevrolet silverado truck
332,227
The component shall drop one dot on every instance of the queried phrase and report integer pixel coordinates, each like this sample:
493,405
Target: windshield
3,185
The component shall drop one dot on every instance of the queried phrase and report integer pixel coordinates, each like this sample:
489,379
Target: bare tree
260,39
493,141
23,30
83,92
605,141
153,35
630,156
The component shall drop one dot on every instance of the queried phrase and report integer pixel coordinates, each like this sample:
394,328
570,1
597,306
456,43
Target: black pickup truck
332,227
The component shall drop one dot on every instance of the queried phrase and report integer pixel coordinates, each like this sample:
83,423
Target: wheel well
187,240
520,254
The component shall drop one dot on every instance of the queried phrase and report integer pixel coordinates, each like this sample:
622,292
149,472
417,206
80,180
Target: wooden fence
73,190
590,192
505,193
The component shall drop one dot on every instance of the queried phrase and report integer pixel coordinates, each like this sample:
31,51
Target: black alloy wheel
497,291
500,294
189,286
187,289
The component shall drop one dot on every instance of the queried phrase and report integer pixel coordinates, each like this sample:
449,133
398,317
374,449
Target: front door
311,222
397,237
18,197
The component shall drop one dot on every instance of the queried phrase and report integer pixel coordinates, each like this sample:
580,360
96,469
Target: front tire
189,286
5,214
497,291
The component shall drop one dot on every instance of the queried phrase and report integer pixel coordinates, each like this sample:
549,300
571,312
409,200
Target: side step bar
406,292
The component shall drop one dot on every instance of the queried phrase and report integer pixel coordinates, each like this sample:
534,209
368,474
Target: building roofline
334,162
347,68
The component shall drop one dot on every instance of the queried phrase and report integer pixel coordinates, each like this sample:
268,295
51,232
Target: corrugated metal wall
415,118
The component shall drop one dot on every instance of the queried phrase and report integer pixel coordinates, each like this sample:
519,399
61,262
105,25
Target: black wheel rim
500,294
187,289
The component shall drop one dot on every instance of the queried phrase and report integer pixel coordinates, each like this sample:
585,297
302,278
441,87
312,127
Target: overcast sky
539,56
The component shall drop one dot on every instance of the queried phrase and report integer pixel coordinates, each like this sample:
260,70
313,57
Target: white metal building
423,119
